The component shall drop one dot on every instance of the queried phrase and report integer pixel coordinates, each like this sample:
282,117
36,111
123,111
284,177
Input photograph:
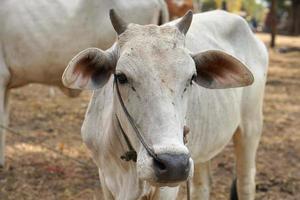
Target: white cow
168,78
39,37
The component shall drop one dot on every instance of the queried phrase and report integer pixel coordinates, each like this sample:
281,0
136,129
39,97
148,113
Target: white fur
38,38
158,65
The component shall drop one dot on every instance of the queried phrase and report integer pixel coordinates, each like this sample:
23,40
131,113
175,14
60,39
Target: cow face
156,74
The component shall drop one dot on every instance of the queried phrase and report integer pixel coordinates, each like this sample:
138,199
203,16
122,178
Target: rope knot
129,155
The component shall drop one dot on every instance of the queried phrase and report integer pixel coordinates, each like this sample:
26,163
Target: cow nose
171,167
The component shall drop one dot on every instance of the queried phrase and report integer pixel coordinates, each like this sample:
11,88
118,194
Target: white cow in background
39,37
167,78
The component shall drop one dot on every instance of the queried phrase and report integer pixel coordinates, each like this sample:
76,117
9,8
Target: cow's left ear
219,70
90,69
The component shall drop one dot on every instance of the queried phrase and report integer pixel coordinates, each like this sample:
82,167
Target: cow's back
38,38
214,114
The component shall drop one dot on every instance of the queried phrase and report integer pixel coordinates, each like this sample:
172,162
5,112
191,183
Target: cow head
156,74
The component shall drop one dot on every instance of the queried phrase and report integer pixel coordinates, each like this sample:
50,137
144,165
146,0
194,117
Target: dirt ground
44,118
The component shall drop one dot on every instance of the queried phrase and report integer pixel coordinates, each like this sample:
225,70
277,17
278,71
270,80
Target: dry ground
47,121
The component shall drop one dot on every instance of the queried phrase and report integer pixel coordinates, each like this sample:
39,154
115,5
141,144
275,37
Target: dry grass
33,172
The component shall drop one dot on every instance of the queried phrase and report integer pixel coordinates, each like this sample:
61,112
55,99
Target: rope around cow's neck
131,154
132,123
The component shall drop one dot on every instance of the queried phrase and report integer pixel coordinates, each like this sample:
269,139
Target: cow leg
4,79
246,140
201,181
3,123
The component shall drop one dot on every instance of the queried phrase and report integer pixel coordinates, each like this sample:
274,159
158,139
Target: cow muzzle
171,168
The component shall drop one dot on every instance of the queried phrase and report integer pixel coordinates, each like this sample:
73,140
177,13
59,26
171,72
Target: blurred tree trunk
295,13
273,22
224,5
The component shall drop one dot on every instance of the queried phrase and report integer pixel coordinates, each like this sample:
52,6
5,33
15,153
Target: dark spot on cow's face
133,88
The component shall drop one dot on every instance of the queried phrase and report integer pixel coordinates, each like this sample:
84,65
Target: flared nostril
158,165
171,167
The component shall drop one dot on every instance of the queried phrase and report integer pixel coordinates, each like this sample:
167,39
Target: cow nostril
159,165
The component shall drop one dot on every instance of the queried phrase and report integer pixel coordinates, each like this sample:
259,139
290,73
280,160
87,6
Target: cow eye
122,78
192,79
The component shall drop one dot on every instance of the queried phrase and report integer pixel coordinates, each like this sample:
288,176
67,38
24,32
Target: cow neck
131,153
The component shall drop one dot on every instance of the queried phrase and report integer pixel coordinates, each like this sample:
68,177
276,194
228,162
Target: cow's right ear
90,69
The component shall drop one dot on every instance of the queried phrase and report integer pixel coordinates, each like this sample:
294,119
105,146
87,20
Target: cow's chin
156,183
165,184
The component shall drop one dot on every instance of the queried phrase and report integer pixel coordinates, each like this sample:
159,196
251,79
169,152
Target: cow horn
117,22
184,24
